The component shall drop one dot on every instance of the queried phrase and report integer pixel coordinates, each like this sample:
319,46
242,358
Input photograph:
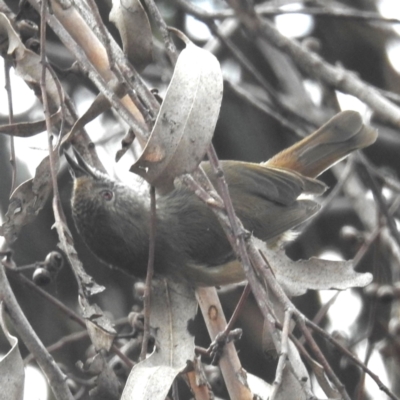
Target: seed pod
54,261
41,277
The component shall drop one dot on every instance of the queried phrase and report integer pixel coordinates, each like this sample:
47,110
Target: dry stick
222,338
232,371
166,34
353,358
320,357
374,235
72,338
311,362
7,66
46,362
360,386
314,66
283,355
149,275
370,181
271,11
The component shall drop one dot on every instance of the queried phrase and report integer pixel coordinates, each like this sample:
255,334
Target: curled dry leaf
296,277
173,305
186,121
11,366
133,25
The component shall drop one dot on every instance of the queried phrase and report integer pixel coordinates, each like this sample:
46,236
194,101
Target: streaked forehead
88,183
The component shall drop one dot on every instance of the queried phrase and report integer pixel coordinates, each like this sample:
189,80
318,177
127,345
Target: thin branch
366,175
267,10
166,34
7,66
316,67
283,355
149,275
353,358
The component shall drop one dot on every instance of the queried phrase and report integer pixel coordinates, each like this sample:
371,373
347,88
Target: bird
269,198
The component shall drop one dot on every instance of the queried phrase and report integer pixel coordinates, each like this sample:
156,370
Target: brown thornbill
113,218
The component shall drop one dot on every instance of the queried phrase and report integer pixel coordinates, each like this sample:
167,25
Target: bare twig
159,20
234,375
271,11
149,275
7,66
370,181
354,359
282,355
314,66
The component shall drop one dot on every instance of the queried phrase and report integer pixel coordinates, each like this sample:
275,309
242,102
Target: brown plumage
113,218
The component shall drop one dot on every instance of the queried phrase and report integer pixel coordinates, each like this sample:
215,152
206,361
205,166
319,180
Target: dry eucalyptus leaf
100,329
27,63
133,25
173,305
296,277
258,386
296,382
12,372
28,129
290,387
186,121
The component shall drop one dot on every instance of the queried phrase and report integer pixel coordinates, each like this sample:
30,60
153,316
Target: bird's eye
107,195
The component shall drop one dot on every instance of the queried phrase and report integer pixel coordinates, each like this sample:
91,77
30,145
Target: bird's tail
341,135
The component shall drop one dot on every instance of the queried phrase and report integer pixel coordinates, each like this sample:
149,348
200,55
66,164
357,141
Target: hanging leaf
296,277
12,372
133,25
186,121
173,305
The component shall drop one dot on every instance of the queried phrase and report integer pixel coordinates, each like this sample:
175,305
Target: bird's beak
79,168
